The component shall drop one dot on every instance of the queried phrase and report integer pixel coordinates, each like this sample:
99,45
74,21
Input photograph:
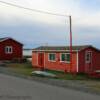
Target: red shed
85,59
10,49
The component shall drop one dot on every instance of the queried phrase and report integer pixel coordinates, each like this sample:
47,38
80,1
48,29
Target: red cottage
10,49
85,59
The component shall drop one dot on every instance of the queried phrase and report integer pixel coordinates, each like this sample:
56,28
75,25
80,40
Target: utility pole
70,22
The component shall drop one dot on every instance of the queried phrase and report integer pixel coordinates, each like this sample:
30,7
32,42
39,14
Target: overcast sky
35,29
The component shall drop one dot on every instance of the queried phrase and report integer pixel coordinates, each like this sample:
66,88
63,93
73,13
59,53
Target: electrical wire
34,10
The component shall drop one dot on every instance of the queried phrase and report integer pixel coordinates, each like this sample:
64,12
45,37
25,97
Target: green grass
26,69
68,76
20,68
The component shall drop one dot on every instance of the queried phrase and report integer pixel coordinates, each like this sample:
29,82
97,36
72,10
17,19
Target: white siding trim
55,50
77,61
7,49
52,60
90,58
90,61
61,58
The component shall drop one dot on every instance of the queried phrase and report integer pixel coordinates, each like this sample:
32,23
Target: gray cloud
34,30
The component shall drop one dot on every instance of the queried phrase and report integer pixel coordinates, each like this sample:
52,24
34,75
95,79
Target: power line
34,10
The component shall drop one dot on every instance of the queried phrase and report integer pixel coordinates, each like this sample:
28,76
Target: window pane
88,56
8,49
51,56
65,57
68,57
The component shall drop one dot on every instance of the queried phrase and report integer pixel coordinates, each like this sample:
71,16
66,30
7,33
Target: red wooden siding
17,50
78,60
54,65
95,61
35,58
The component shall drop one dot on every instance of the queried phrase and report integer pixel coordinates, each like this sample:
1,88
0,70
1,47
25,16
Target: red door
41,59
88,62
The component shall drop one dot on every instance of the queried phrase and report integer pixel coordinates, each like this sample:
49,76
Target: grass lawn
20,68
68,76
26,69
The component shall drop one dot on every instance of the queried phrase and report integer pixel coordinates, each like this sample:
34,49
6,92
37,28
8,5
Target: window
88,57
52,57
8,49
65,57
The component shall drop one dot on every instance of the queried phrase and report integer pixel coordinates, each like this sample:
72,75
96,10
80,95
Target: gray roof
76,48
6,38
1,39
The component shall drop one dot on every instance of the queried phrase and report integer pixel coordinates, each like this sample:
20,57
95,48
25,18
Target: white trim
4,39
52,60
56,50
77,61
61,58
88,62
86,56
7,49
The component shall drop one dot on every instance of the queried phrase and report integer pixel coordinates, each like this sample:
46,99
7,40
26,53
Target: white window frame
90,52
7,49
61,58
49,57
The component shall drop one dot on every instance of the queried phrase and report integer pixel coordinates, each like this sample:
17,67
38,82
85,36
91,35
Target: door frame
43,61
88,64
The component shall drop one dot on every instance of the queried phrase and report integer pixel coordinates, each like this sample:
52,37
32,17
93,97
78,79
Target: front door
88,62
41,59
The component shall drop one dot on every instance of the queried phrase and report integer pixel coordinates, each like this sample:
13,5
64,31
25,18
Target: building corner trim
77,69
